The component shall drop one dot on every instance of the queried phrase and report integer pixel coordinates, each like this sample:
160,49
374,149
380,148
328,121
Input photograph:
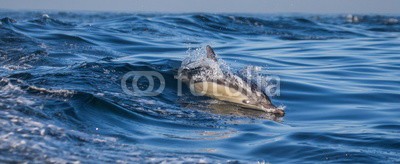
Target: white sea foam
57,92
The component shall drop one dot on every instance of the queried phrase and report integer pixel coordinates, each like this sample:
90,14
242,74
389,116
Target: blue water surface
61,98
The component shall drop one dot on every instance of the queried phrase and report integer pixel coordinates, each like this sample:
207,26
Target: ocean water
62,99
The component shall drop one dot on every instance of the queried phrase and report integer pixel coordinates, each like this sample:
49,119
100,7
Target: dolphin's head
260,101
252,98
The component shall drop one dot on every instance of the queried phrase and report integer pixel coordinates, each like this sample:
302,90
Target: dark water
61,98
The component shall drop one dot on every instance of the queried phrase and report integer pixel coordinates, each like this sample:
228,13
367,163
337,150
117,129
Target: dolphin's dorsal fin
210,53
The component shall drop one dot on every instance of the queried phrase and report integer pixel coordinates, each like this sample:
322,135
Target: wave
227,26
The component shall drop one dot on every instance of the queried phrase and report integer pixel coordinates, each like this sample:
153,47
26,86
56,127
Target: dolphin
226,86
